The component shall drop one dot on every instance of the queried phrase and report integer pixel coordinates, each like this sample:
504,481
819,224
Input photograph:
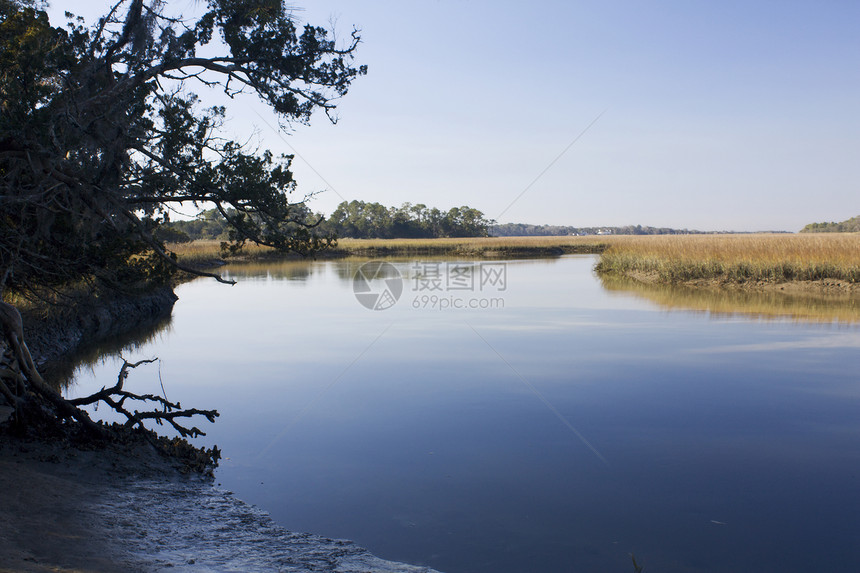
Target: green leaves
358,219
102,133
32,57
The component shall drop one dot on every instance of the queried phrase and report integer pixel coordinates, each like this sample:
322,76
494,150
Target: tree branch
116,396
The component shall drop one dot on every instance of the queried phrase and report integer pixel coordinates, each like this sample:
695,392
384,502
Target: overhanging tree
102,135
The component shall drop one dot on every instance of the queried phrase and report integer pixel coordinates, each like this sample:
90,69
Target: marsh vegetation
733,259
737,258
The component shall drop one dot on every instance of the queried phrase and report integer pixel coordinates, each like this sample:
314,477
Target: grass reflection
721,302
295,270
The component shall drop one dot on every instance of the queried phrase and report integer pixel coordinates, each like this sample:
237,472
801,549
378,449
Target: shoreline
49,518
795,264
821,287
206,254
92,322
105,511
798,263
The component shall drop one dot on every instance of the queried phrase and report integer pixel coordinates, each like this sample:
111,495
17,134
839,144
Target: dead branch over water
37,406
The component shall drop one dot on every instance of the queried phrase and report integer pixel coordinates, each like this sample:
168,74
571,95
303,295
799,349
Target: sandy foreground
50,508
65,510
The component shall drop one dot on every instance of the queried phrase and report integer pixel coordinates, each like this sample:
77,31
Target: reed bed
669,258
203,253
737,258
208,253
475,246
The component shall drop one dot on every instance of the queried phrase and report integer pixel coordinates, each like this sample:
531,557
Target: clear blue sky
715,115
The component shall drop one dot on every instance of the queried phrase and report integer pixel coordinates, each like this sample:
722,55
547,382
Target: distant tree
168,234
525,230
434,222
357,219
101,136
851,225
208,224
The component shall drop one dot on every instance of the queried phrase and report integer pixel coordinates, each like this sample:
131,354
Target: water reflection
299,270
343,269
295,270
762,305
732,444
61,372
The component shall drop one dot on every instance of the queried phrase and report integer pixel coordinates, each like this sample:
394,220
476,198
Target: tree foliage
209,224
354,219
101,135
851,225
361,220
527,230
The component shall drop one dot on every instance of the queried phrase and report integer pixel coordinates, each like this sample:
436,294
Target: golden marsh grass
738,258
671,258
202,252
207,253
475,246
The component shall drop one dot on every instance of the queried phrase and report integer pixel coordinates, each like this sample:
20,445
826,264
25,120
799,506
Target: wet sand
49,508
65,510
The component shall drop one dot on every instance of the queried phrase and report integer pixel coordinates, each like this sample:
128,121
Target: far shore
798,263
204,252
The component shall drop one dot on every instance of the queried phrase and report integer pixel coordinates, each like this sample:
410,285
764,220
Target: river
511,416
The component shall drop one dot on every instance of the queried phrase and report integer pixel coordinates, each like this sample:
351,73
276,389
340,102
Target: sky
731,115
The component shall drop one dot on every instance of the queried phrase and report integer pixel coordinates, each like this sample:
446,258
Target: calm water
563,427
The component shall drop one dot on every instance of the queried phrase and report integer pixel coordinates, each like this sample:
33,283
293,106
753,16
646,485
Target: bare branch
165,411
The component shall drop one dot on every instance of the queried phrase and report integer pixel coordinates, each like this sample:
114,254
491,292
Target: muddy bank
49,517
111,510
824,287
76,325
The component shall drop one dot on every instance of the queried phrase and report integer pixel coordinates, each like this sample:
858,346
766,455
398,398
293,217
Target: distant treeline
354,219
363,220
848,226
525,230
360,220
